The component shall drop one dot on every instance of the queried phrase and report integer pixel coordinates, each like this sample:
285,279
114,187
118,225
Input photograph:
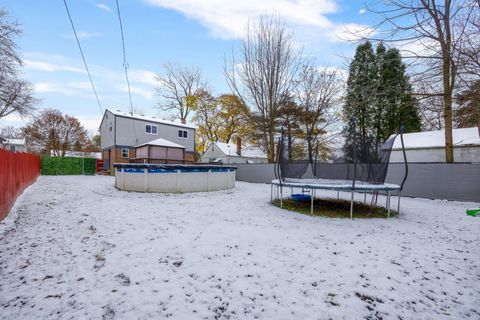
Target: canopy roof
160,142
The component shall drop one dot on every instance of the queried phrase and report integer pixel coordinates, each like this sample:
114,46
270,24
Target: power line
125,64
83,56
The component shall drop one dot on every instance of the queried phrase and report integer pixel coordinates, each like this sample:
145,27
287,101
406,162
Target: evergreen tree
359,103
397,105
290,120
378,97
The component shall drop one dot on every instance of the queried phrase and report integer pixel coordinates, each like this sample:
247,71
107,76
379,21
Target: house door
106,160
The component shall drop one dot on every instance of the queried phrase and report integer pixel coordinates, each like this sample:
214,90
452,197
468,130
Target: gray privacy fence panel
457,181
451,181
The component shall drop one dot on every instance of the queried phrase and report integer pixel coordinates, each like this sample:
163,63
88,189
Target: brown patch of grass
335,208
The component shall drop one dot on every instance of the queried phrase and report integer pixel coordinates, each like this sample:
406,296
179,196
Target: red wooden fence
17,171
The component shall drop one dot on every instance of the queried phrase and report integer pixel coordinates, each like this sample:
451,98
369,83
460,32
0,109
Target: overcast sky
190,32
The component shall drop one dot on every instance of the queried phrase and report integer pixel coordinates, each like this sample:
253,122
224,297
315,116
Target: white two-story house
121,132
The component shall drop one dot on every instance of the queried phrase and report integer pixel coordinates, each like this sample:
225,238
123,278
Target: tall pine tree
378,97
361,85
397,105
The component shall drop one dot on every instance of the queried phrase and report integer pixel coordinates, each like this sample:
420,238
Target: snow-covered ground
80,249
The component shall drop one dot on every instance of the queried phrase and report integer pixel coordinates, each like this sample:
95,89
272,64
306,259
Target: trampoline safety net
360,163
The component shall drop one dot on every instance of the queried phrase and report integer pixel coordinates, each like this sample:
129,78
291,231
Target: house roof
436,139
18,142
151,119
160,142
230,149
78,154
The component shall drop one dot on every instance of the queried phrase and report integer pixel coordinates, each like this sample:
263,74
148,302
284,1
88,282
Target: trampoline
352,176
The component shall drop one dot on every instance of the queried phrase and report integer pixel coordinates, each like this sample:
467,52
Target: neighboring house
121,132
233,153
160,151
78,154
15,145
430,146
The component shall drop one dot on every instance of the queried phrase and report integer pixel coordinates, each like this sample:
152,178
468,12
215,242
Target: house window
151,129
182,134
124,152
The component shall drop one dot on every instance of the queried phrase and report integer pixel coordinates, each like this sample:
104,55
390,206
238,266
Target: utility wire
83,56
125,64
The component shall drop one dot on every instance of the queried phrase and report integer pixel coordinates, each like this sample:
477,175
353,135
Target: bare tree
264,74
10,132
177,87
16,95
468,112
430,107
52,132
469,50
318,94
438,30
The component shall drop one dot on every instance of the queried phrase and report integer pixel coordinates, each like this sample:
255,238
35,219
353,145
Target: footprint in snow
123,279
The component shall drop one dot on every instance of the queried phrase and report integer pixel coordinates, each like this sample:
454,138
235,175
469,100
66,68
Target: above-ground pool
173,177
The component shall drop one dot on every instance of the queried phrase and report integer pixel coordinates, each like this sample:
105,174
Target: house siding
131,132
107,136
461,154
118,132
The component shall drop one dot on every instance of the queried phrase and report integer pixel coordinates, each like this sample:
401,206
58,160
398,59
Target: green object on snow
473,212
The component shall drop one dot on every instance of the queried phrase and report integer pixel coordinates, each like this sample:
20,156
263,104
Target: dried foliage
51,132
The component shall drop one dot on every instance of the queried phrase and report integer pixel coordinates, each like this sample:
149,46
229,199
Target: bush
67,166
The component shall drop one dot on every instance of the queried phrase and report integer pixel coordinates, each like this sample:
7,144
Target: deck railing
159,161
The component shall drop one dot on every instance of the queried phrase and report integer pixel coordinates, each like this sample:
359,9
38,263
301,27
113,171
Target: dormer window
151,129
183,134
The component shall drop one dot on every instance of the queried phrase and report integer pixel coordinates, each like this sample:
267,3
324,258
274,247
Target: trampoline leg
351,206
388,201
311,202
281,197
271,193
398,205
338,194
365,197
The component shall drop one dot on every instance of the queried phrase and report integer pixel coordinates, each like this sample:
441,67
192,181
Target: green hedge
67,166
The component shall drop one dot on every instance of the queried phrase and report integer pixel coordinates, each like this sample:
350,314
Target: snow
230,149
151,119
20,142
81,249
436,139
162,143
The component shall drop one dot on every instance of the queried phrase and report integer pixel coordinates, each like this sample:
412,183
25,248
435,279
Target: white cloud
83,35
362,11
80,85
90,123
49,67
44,87
145,93
103,7
352,32
143,76
228,19
77,88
